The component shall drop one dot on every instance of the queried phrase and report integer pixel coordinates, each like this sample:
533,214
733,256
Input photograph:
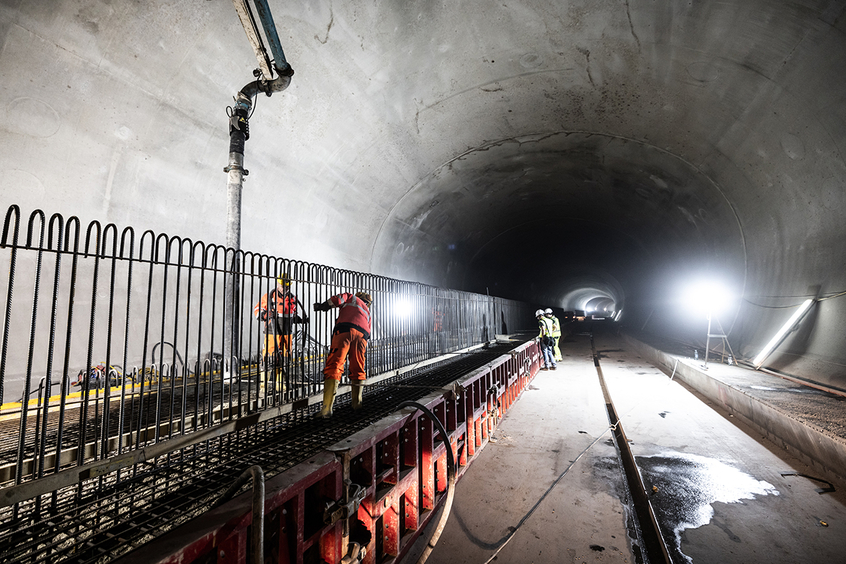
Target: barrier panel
376,489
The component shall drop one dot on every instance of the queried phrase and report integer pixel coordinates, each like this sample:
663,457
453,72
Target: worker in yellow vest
545,340
556,333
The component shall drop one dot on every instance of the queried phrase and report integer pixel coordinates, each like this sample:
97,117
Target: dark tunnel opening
574,221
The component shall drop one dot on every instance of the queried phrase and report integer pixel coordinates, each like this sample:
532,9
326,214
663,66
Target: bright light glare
403,308
778,337
707,298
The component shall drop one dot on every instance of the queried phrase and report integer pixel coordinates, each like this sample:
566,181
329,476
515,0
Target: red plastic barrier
399,461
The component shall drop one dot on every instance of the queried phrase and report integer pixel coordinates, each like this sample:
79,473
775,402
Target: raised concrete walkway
805,421
722,492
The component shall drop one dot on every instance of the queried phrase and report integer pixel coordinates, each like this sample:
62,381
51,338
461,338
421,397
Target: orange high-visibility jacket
354,313
282,304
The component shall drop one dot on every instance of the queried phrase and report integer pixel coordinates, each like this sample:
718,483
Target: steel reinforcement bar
114,343
376,489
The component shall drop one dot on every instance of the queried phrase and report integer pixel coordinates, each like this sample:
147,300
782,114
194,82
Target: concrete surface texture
584,518
718,488
721,493
541,150
808,422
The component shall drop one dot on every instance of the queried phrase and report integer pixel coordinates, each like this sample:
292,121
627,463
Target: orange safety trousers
350,342
277,343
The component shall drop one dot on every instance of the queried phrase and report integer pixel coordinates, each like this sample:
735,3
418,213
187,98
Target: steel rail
650,532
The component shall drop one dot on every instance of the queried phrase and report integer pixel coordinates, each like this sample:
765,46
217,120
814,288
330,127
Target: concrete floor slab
558,417
804,420
720,493
720,490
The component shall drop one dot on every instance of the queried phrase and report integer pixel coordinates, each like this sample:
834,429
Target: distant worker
278,310
349,338
546,340
556,333
438,330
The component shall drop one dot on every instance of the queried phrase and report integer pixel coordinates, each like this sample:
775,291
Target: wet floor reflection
687,485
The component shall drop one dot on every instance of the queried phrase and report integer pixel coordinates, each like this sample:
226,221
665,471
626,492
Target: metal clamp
339,510
356,555
454,393
244,171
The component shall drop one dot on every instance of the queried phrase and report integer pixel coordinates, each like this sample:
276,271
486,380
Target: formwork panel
225,529
400,462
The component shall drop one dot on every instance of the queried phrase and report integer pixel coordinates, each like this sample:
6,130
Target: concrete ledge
816,448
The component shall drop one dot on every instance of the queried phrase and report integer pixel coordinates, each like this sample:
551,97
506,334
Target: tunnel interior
576,155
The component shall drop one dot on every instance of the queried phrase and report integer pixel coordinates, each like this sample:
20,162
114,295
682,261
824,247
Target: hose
257,475
430,546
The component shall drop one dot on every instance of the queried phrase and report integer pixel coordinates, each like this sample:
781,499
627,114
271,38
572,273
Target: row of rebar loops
180,305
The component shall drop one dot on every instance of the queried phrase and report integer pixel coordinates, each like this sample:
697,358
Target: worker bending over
546,340
349,337
556,333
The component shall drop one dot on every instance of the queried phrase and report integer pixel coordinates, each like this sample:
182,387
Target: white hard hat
548,311
539,313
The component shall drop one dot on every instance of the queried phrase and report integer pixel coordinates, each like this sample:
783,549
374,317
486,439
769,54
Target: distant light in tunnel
782,333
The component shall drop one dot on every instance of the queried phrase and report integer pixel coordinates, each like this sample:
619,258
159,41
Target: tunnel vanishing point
479,159
552,152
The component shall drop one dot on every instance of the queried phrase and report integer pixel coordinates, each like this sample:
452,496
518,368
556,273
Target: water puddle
687,485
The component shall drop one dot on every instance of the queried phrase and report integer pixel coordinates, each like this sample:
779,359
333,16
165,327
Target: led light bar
782,333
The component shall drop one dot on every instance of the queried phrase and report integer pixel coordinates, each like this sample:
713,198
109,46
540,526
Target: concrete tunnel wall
552,151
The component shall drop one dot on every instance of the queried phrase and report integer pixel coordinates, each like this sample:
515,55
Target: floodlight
709,298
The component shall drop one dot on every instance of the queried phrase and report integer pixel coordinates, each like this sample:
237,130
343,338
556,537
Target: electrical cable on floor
450,478
546,493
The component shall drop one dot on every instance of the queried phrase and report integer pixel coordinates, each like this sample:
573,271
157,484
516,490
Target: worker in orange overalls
438,330
278,310
349,338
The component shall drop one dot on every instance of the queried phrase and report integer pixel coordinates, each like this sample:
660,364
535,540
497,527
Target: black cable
255,103
820,299
546,493
450,478
771,307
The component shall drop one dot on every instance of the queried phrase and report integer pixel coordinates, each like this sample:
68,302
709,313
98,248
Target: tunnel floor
721,492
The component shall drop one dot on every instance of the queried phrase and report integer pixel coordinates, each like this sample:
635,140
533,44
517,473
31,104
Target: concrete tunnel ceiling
549,151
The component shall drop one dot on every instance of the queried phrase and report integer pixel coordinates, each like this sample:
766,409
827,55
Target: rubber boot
279,382
357,396
262,380
330,386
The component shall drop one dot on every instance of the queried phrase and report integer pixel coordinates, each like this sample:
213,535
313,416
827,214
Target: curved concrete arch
446,201
429,141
